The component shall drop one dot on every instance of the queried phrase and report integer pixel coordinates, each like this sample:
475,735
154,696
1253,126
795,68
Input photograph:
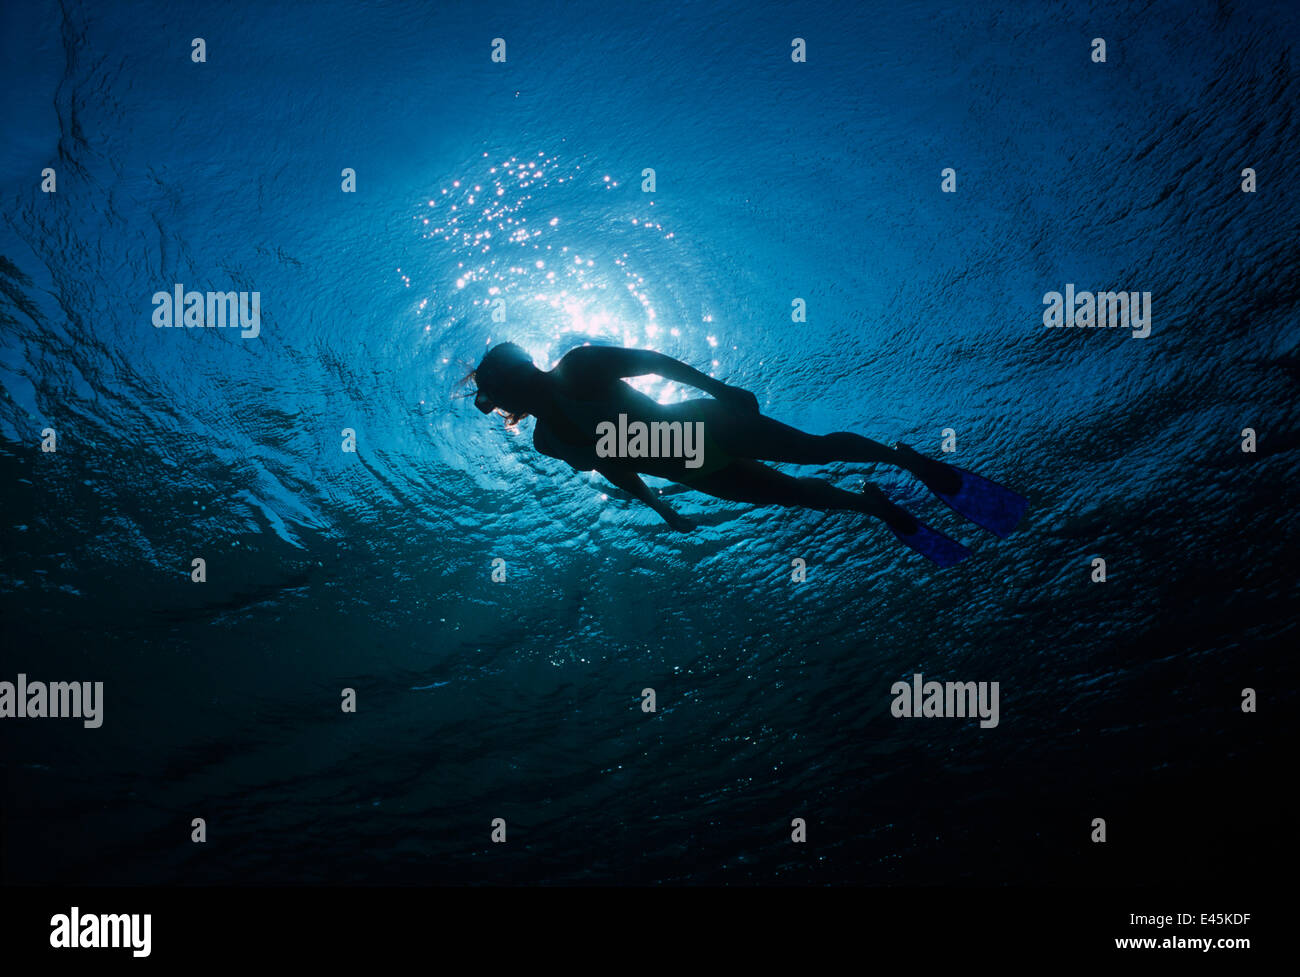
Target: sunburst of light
552,305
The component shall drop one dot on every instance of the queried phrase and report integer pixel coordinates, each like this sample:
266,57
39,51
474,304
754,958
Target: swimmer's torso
568,430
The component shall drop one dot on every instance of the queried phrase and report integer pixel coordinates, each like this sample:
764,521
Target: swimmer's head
504,380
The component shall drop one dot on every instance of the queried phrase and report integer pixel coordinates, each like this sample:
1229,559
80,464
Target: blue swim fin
930,543
984,502
933,544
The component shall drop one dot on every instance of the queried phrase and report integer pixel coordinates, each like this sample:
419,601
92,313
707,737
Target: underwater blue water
521,700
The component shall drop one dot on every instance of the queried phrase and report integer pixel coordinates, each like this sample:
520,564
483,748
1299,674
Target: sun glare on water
534,273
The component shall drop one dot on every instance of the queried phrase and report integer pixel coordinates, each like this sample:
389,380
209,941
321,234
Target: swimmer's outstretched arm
614,363
630,481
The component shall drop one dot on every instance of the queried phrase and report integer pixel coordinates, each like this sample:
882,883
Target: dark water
521,700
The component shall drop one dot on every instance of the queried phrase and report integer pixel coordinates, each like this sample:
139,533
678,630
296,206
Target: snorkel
505,380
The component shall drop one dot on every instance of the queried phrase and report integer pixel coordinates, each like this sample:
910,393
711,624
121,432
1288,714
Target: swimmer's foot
939,478
984,502
913,533
895,517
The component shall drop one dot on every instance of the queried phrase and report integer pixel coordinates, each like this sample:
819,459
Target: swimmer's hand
630,482
738,398
677,521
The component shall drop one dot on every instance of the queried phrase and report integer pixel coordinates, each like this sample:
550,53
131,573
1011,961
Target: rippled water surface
523,181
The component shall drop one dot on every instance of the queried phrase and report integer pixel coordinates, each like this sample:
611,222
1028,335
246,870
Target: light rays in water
560,279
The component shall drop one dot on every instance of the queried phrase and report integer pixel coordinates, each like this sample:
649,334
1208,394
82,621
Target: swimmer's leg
748,435
758,484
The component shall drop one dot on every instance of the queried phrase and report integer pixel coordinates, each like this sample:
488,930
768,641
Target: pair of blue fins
984,502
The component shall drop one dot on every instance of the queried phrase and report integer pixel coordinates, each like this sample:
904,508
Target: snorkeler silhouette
585,390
